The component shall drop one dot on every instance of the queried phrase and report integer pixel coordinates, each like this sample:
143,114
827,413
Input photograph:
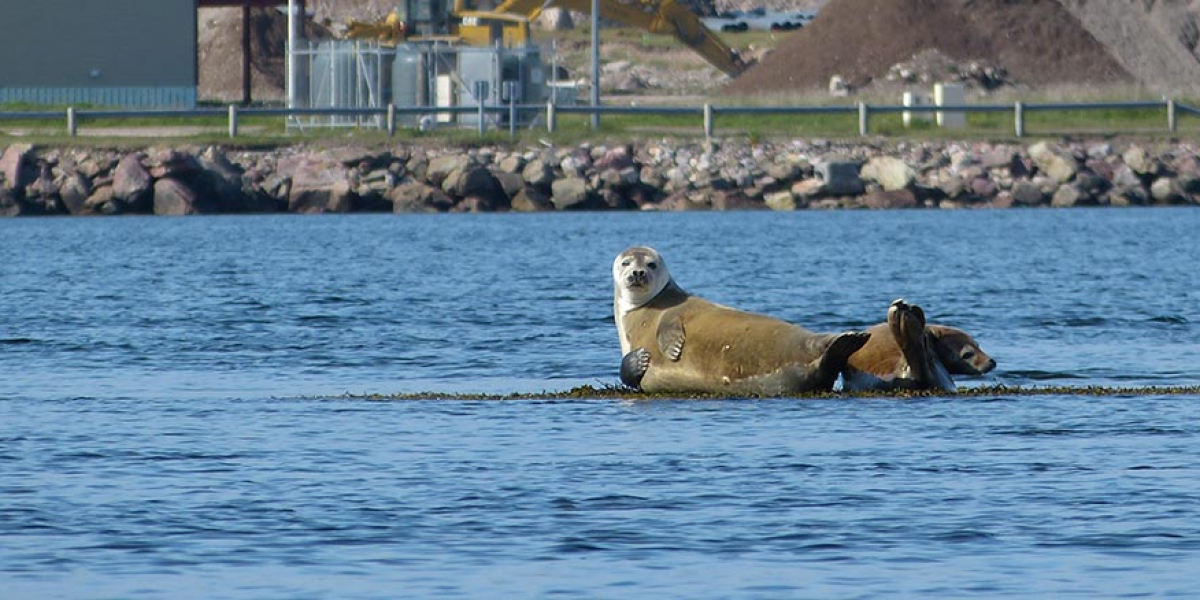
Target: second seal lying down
907,354
672,341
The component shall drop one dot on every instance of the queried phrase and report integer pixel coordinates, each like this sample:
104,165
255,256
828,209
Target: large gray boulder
442,166
133,187
317,185
531,199
475,181
538,173
9,205
74,190
889,172
417,197
841,177
1166,190
16,166
570,193
1070,195
780,201
1027,193
175,197
1053,161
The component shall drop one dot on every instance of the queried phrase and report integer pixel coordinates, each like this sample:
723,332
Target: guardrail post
551,117
482,125
864,119
708,122
391,119
1172,124
71,124
1019,118
233,120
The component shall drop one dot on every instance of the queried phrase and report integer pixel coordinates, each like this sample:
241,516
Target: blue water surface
173,421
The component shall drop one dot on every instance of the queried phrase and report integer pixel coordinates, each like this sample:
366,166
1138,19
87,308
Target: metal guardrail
388,115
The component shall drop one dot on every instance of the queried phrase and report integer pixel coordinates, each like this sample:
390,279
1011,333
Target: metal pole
864,119
246,93
1019,118
1172,124
595,62
71,124
550,117
391,119
512,116
293,69
481,91
708,122
233,120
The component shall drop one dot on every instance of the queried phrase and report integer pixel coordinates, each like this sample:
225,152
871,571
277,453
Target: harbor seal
674,342
905,353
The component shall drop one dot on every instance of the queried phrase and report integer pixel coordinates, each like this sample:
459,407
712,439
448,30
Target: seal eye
625,263
968,355
653,266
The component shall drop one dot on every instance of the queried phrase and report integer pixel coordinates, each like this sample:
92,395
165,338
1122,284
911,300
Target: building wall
139,53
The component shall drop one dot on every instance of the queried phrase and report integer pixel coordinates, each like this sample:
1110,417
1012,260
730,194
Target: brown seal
674,342
906,353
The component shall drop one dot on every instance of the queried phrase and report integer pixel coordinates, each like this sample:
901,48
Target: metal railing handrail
707,111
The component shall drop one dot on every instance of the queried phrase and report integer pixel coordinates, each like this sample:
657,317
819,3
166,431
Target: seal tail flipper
634,366
907,323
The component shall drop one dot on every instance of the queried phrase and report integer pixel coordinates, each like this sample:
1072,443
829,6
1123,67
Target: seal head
959,352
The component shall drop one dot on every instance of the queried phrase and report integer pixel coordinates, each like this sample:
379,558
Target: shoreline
650,175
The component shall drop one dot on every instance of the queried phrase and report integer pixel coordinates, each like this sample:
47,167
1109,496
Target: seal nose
991,364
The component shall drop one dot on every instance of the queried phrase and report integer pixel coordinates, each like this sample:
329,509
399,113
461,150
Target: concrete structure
123,53
914,99
950,94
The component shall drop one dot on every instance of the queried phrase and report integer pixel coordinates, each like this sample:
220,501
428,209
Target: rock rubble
657,175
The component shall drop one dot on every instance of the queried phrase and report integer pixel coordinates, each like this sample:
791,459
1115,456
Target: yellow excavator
475,28
508,24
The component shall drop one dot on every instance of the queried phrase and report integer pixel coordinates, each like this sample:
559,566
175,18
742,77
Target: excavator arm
389,32
656,16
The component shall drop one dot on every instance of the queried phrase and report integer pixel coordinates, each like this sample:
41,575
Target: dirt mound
1037,41
1157,40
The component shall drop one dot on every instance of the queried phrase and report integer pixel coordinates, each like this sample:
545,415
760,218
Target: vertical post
293,69
246,94
1172,124
551,117
708,122
391,119
512,116
482,126
595,63
72,129
1019,118
233,120
864,119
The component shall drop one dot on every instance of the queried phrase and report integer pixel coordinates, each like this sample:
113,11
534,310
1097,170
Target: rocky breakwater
662,175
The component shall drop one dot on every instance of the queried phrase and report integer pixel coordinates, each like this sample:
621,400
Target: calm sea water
173,418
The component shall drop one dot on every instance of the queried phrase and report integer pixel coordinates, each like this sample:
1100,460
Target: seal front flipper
634,366
671,336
